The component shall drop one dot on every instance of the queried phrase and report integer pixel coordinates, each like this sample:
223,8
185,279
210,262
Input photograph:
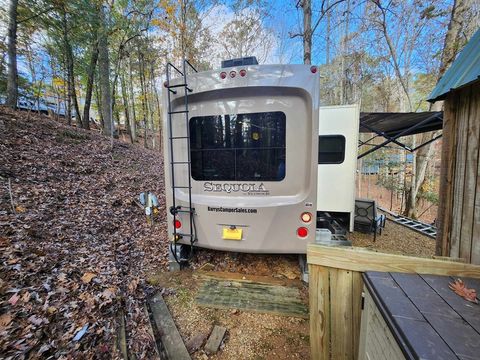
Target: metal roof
464,70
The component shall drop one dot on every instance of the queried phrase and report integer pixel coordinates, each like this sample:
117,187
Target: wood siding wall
459,207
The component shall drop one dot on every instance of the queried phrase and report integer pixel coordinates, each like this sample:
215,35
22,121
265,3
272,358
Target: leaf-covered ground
74,246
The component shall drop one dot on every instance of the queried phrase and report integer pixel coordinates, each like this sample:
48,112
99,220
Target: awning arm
427,142
360,142
383,134
394,138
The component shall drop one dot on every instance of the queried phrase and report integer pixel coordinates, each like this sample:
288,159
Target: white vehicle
241,153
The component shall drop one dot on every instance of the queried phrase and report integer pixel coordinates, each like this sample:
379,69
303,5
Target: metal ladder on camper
175,208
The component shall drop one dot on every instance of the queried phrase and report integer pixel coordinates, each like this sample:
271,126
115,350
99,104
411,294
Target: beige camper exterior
253,146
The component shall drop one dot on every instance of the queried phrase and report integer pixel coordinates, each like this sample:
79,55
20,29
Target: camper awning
393,126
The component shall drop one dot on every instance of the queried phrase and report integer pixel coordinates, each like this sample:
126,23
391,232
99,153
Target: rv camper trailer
241,156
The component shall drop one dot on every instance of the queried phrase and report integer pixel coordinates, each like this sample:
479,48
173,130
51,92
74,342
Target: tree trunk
450,50
98,100
125,108
328,35
70,73
144,106
452,37
90,78
159,109
104,75
133,123
66,92
12,80
307,32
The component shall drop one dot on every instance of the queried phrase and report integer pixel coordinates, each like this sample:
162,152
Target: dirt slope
77,247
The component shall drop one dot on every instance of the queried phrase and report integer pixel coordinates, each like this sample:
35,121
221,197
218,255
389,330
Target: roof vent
249,60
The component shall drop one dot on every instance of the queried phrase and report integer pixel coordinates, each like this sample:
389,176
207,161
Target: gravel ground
249,335
397,239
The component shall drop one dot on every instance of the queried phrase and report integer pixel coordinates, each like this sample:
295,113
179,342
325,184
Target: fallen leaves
75,249
87,277
5,320
37,321
14,299
459,287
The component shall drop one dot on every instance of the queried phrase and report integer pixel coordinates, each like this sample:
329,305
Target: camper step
176,86
184,235
178,112
186,211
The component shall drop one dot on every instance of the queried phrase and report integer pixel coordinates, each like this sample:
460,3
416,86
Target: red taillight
223,75
177,224
302,232
306,217
233,74
313,69
243,72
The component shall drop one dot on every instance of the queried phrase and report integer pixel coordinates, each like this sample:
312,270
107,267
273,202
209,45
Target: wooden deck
428,320
335,291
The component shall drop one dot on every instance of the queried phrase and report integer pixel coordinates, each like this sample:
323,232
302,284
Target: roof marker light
313,69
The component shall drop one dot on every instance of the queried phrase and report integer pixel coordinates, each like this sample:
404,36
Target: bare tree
89,90
104,75
12,80
307,32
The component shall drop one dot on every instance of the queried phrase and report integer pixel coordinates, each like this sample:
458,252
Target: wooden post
319,311
447,172
336,292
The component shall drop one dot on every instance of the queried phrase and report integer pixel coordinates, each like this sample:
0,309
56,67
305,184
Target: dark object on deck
366,219
427,319
170,337
215,339
245,61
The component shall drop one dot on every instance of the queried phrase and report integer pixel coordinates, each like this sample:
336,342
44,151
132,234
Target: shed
459,203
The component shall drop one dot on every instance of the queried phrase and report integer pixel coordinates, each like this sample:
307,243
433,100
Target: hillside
75,247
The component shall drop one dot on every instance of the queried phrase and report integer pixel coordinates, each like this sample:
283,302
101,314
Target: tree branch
324,11
36,15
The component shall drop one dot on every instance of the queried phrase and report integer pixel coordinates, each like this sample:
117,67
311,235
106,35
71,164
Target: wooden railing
335,286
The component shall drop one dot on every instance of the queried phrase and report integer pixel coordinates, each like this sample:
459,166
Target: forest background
101,64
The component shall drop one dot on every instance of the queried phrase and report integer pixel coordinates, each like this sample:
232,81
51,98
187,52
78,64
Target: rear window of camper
331,149
243,147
